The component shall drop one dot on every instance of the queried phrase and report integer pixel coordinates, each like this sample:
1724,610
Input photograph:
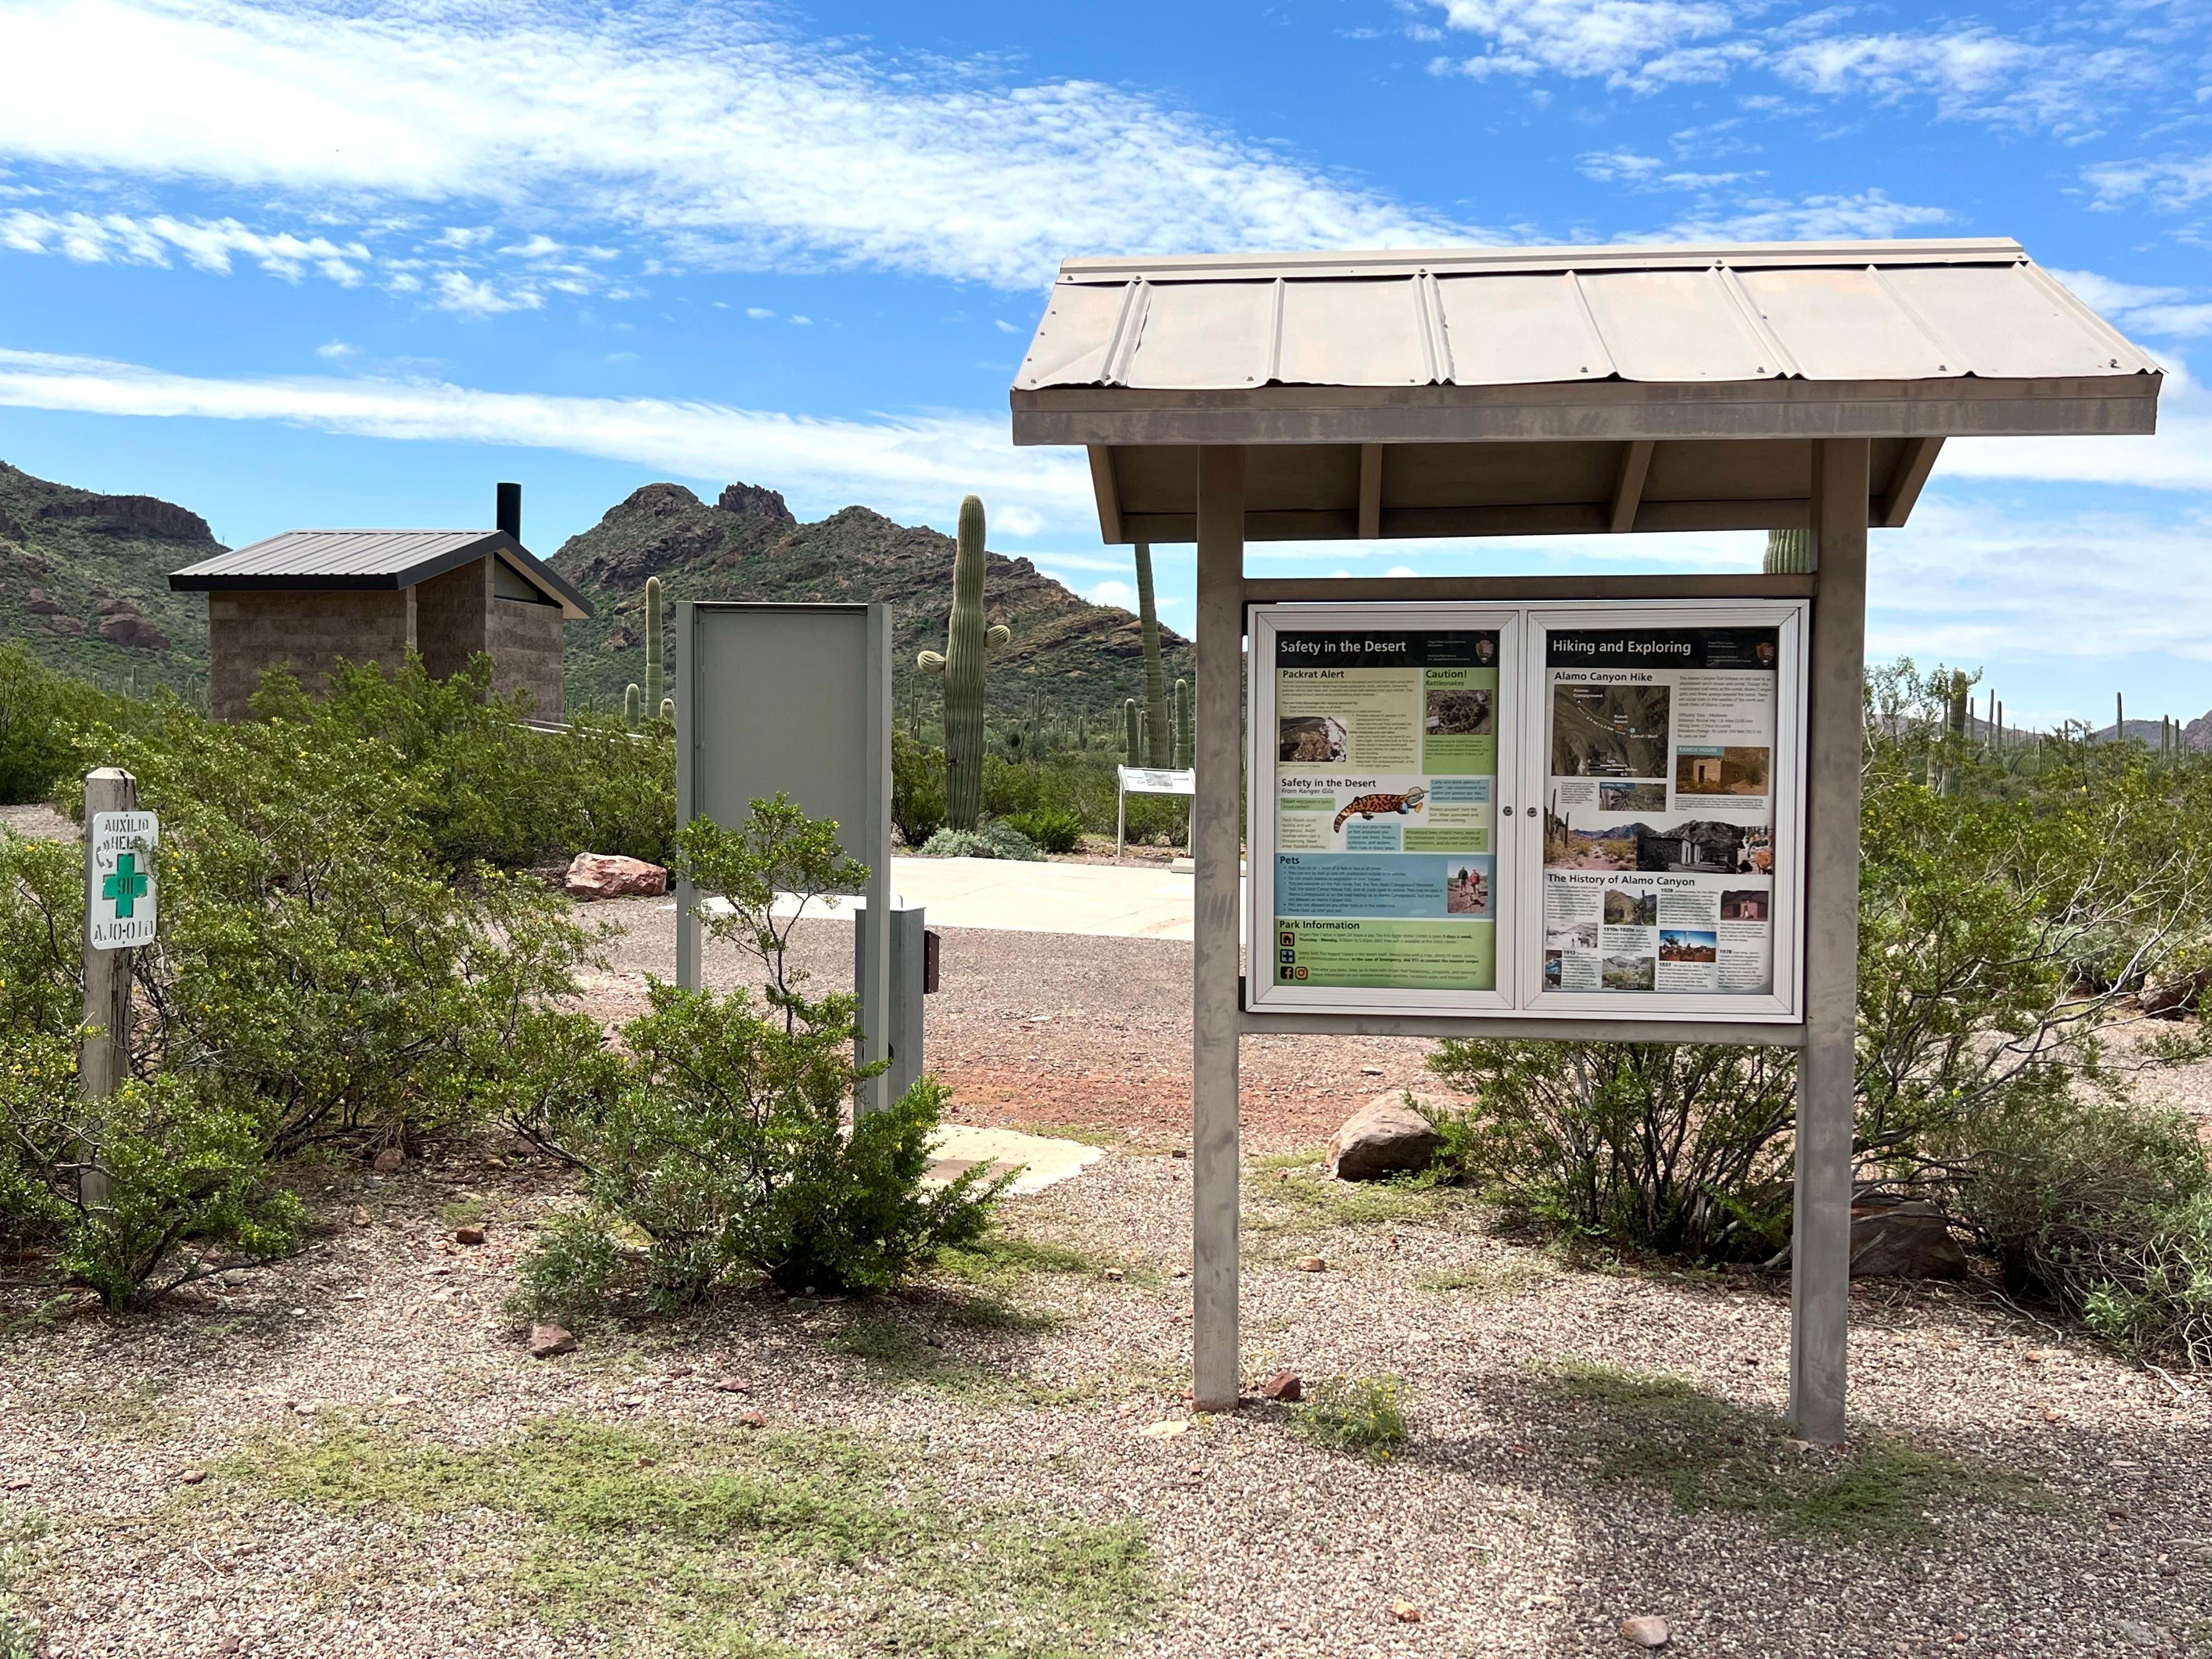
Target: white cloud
759,313
1965,584
913,468
2168,313
1113,593
1811,218
1623,41
2046,76
337,349
151,239
2171,184
714,139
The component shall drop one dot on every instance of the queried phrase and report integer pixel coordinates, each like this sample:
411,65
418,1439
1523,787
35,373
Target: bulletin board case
1550,810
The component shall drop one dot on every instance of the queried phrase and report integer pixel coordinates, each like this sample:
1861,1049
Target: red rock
388,1160
1385,1137
360,1216
547,1340
1312,1264
1285,1386
751,1420
468,1235
1646,1630
607,875
734,1385
192,1477
1405,1613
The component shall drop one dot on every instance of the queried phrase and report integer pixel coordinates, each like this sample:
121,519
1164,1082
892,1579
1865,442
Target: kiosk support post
1821,1253
1216,818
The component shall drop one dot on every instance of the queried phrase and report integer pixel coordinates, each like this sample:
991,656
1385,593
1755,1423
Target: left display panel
1380,737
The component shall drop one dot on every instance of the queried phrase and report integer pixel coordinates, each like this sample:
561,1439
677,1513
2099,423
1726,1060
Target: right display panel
1665,776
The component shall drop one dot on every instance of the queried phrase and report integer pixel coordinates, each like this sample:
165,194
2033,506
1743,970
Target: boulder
1903,1238
607,875
546,1341
2176,998
1646,1630
1285,1386
1385,1137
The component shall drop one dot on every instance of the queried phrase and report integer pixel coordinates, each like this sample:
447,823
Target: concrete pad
1119,901
958,1147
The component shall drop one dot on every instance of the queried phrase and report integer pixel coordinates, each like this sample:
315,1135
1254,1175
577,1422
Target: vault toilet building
308,598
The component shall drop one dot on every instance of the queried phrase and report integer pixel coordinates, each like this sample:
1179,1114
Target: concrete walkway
1128,901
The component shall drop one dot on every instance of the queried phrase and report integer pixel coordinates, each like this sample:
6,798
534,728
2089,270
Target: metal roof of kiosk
1487,391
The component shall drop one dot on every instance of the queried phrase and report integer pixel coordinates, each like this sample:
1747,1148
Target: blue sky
293,264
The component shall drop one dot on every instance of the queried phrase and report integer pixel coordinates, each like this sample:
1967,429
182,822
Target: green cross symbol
126,886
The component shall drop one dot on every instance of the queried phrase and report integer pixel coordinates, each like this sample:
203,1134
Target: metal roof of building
1491,316
335,561
1520,391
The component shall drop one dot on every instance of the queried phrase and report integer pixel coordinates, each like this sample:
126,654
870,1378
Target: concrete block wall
250,632
452,618
525,651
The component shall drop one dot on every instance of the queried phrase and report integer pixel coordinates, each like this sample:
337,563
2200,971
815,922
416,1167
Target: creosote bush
719,1137
2008,916
321,971
993,839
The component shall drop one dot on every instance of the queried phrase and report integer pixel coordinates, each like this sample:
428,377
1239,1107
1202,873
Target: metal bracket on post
910,981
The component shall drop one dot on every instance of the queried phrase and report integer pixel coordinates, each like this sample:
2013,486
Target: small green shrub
720,1137
188,1188
39,709
1360,1415
576,1265
995,839
917,789
1674,1148
1051,828
2105,1208
20,1635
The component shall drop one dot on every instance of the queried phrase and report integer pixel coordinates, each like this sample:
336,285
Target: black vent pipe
510,510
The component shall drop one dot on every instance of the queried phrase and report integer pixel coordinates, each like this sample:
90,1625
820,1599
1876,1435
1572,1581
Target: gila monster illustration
1368,805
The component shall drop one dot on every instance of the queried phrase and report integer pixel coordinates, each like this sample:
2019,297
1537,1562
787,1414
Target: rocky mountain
84,582
1067,654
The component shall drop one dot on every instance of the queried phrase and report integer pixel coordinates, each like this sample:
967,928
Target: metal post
1216,855
104,1059
874,967
1821,1253
1121,814
684,675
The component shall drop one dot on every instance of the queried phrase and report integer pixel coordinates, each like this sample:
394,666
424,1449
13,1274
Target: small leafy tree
724,1140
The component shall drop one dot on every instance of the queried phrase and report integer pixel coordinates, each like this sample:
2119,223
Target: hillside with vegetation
1067,656
84,583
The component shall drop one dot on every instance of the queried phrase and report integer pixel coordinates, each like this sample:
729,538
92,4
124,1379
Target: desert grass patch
896,1352
1709,1455
141,1413
1485,1280
739,1543
1304,1200
1361,1414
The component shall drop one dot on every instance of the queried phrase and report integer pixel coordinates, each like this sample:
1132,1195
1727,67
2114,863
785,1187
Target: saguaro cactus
1183,733
668,708
656,645
967,643
1133,752
632,705
1789,552
1158,735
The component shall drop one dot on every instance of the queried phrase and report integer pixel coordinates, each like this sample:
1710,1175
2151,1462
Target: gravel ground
1500,1523
1503,1527
1060,1029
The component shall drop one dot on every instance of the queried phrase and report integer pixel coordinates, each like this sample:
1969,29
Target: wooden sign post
120,914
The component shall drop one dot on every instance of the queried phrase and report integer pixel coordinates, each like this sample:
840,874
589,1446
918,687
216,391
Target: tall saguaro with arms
1637,818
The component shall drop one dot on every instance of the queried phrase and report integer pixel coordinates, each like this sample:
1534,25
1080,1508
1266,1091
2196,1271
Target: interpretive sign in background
1543,808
